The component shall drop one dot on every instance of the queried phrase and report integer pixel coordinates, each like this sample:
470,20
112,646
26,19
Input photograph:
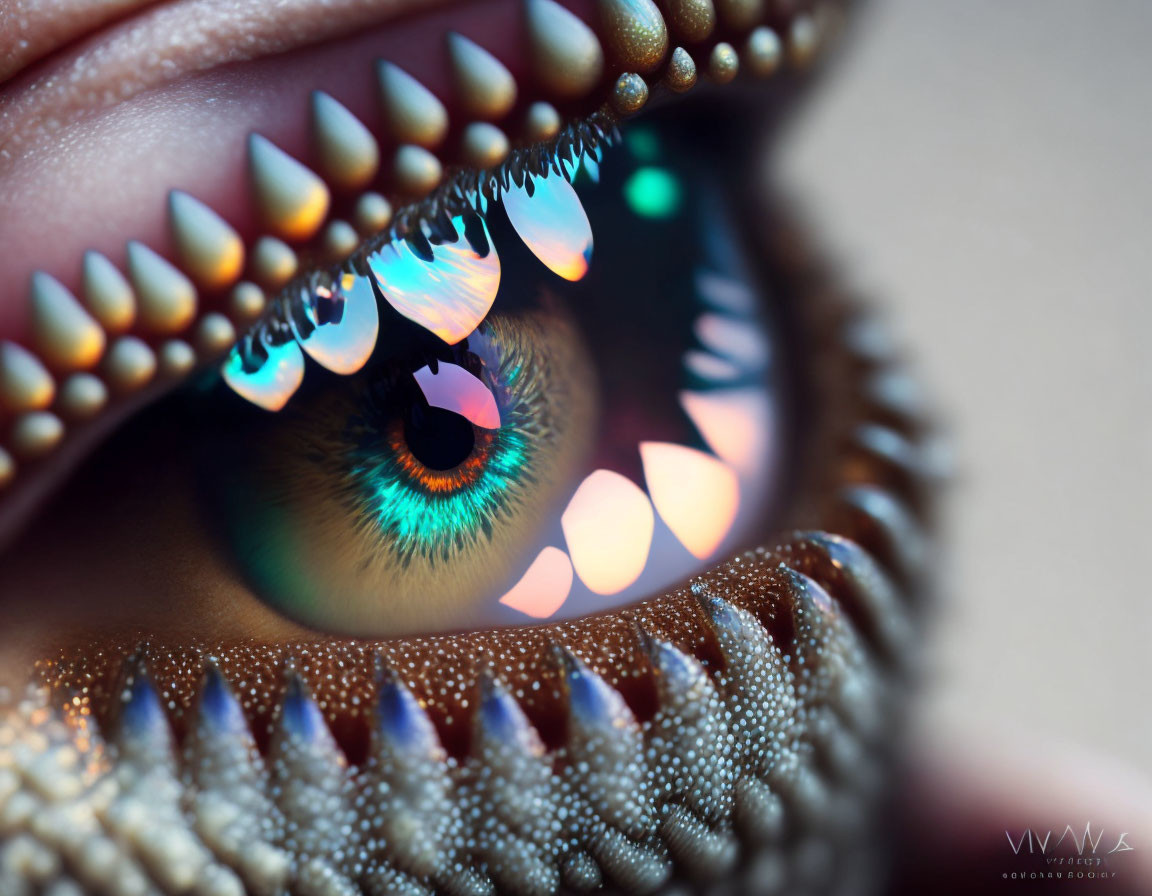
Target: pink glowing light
455,389
736,424
543,589
697,495
608,525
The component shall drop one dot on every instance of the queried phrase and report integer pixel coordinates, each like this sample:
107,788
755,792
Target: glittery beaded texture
738,729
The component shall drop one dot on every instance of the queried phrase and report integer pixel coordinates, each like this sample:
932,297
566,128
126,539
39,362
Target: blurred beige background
985,169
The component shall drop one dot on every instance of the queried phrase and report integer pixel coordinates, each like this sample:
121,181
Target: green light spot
643,143
652,193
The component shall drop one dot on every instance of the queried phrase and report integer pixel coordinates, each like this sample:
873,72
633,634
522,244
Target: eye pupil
439,439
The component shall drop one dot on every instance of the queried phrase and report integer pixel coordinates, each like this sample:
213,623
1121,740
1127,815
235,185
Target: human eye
445,470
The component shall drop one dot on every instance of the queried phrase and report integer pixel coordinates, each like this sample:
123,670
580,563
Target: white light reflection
736,424
543,589
608,525
697,495
455,389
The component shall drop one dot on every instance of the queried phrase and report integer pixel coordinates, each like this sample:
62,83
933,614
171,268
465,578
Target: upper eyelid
609,33
111,64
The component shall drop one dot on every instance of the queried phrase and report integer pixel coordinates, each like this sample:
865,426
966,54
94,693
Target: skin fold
102,110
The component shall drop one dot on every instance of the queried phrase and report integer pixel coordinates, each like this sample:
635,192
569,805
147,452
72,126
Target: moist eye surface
608,427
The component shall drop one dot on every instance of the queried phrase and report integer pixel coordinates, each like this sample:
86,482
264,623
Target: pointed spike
416,170
637,35
486,88
412,111
108,293
629,94
484,145
143,732
565,52
692,20
219,711
129,365
723,63
66,335
209,248
167,298
401,723
293,200
499,718
25,384
35,434
82,396
681,74
763,51
300,718
740,15
349,155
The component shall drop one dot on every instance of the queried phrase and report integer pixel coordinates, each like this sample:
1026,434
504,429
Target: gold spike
693,20
66,335
723,64
177,359
484,145
273,263
82,396
7,468
630,94
681,74
340,240
416,170
292,198
565,53
207,246
349,155
167,298
763,51
108,293
542,122
486,88
740,14
214,334
25,384
130,364
411,110
247,301
36,433
637,35
373,213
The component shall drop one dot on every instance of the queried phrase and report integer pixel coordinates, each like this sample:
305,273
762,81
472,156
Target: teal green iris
653,193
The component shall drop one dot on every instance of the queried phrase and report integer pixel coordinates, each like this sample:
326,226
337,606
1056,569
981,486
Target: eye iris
602,431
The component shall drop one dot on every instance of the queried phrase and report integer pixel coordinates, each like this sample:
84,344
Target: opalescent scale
547,214
337,327
271,383
449,295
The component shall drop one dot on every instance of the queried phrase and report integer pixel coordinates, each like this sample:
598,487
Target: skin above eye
731,729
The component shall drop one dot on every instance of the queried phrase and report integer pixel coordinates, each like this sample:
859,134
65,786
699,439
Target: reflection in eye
518,431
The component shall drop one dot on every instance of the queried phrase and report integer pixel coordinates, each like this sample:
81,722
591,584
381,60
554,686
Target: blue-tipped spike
220,711
591,701
300,717
401,720
720,613
142,716
500,717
